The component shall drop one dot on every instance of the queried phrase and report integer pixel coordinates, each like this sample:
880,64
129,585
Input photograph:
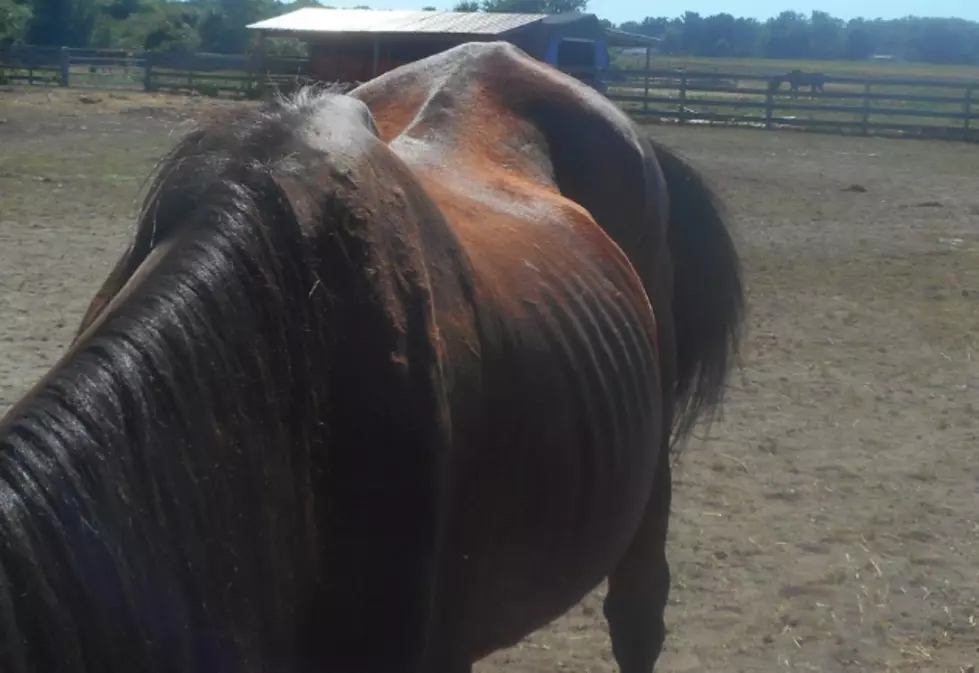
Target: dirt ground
831,521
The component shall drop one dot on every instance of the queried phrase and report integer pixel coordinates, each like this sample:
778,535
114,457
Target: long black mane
157,507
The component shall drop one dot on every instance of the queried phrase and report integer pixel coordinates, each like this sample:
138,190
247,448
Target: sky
618,11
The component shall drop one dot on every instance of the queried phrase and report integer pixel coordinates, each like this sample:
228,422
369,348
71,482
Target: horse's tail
708,293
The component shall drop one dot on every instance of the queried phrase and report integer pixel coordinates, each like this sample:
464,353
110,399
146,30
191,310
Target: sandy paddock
828,524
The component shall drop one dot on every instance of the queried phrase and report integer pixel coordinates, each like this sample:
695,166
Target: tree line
219,26
216,26
818,36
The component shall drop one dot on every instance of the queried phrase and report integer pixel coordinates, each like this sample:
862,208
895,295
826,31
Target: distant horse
796,79
384,382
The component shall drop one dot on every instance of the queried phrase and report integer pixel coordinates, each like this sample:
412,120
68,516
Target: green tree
534,6
827,35
718,35
221,26
15,17
174,29
858,42
788,36
58,23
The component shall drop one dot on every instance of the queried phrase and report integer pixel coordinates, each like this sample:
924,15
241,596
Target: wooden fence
925,107
110,69
922,107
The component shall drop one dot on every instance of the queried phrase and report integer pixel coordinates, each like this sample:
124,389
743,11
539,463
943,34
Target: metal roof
621,38
322,20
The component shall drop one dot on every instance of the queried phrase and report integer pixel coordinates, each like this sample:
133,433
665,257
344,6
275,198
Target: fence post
865,121
769,108
967,111
682,112
645,94
65,58
250,74
645,91
148,71
30,70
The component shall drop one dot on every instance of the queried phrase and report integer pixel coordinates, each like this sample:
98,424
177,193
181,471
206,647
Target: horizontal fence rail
232,75
927,107
910,106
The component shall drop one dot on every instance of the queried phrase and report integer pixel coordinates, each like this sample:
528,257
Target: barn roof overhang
320,23
620,38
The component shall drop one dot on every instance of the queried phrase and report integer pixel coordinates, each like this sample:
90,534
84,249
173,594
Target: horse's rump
553,366
492,121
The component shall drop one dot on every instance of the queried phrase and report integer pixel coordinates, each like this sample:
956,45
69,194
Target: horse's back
489,104
485,110
551,360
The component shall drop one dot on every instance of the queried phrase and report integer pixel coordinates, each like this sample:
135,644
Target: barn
351,45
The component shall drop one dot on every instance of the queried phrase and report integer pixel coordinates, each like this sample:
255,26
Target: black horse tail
708,293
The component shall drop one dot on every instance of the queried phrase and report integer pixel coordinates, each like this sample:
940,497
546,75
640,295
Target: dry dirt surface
829,521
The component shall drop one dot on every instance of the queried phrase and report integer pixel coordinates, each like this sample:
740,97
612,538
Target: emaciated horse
384,382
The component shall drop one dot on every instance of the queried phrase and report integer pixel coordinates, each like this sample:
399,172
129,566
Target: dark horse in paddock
384,382
796,79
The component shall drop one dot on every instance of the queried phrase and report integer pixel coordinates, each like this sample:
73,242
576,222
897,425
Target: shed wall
357,58
352,58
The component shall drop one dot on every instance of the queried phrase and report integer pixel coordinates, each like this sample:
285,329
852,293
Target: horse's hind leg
640,584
